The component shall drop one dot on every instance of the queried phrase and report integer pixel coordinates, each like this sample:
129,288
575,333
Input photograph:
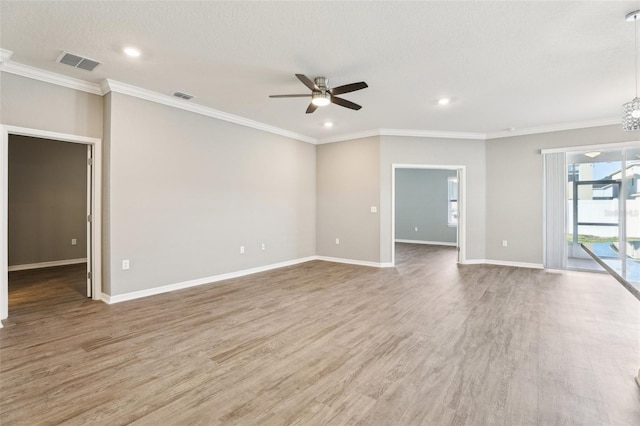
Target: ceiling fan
322,95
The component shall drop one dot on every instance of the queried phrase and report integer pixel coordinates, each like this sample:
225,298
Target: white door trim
462,205
96,199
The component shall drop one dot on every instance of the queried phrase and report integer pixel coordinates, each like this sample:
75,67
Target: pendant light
631,110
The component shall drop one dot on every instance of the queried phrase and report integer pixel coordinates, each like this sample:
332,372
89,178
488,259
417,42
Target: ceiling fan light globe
321,99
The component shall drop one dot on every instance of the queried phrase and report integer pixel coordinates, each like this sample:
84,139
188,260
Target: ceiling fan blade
311,108
305,80
345,103
290,96
348,88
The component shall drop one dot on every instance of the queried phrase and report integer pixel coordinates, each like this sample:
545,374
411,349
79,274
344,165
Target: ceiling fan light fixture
321,99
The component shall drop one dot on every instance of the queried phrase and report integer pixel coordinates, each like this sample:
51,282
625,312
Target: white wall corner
104,87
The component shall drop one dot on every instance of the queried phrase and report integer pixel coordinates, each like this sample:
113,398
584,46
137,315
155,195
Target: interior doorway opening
93,148
428,206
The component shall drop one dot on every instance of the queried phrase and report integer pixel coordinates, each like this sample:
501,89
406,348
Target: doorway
93,204
423,215
603,201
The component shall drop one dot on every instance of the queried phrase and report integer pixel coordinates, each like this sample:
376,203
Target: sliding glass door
630,186
603,226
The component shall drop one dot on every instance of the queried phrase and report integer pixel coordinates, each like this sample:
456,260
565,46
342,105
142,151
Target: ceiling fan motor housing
321,82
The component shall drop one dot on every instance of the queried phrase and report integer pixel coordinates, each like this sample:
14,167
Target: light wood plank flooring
426,343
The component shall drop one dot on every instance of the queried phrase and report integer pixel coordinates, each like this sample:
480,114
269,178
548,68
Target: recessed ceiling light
328,124
592,154
444,101
132,51
511,129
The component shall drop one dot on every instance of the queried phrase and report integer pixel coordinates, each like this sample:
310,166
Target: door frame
96,202
461,243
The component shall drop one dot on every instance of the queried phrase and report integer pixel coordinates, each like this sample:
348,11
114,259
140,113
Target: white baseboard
200,281
473,262
503,263
431,243
354,262
210,280
26,266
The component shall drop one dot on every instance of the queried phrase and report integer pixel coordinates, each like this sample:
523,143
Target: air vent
182,95
77,61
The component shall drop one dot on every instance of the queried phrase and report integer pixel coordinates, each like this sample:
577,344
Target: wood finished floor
425,343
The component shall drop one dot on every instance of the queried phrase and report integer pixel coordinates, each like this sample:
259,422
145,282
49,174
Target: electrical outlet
241,249
504,243
125,264
374,209
415,229
74,242
337,240
264,246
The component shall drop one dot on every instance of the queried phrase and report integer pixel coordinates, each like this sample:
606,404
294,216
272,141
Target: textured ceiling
503,64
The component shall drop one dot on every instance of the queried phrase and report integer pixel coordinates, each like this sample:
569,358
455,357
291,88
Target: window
452,191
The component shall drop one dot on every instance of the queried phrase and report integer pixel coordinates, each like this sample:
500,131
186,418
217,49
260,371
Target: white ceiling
503,64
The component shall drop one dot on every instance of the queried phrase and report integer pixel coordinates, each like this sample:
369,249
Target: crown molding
431,134
403,133
126,89
554,128
106,86
5,55
349,136
22,70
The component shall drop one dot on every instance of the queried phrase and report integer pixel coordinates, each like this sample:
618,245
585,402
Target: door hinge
89,161
88,275
89,218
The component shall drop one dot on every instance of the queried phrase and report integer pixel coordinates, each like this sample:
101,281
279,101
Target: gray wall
47,200
182,191
185,191
348,186
515,191
443,152
34,104
422,202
